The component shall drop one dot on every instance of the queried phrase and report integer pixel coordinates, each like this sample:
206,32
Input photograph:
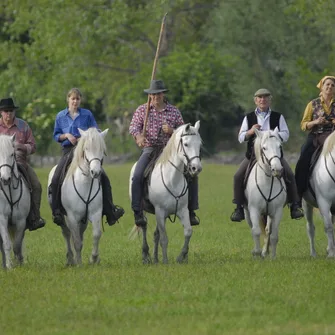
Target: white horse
322,182
81,194
265,192
168,188
14,203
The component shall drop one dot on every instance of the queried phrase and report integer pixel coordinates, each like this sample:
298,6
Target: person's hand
71,138
255,126
20,147
140,140
167,129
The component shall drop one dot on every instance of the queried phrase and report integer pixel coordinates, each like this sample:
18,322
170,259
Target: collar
259,112
15,123
68,112
323,100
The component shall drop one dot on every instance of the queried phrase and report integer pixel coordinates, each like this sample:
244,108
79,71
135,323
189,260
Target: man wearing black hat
263,118
164,119
24,146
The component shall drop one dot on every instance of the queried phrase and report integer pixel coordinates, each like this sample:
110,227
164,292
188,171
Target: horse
168,188
265,192
14,203
321,194
81,194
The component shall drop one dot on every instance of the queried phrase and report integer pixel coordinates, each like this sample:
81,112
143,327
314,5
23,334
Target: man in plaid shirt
163,118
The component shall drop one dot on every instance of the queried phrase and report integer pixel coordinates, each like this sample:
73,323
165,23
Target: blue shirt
65,124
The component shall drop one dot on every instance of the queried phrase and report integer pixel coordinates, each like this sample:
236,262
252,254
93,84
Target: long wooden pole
153,74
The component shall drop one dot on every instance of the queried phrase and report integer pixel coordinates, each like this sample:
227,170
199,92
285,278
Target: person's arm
29,145
307,122
242,135
284,133
136,124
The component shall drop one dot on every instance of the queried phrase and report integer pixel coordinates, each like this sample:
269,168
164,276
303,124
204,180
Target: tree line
215,55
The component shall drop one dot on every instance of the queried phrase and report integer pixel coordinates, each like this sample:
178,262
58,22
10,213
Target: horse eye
264,148
185,145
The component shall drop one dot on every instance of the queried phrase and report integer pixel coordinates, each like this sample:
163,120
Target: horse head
7,158
93,149
268,150
189,147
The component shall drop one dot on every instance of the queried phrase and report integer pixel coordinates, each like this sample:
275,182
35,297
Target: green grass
222,290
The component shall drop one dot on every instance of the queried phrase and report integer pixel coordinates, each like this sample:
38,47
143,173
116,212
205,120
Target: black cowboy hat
7,104
156,86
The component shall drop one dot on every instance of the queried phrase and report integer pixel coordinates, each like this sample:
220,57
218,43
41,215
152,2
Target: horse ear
187,128
276,130
81,132
13,137
258,132
104,133
197,125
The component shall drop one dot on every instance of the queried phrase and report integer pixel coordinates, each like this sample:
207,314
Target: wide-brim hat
7,104
156,86
262,91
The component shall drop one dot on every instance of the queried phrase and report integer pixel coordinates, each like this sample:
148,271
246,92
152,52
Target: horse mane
170,147
92,139
329,144
6,144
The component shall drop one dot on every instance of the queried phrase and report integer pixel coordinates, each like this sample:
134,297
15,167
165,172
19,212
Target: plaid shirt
23,135
155,136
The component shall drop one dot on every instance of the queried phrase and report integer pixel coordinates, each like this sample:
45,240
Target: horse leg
160,219
327,219
274,231
17,243
156,242
267,222
185,219
95,259
6,244
2,253
77,241
308,210
146,259
67,237
255,231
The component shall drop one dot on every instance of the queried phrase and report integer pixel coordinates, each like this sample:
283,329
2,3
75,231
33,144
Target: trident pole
153,74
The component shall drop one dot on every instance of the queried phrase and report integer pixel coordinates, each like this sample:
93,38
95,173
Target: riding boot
113,213
34,220
238,214
193,201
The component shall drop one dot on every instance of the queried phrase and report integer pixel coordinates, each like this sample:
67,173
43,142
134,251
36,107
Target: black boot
34,225
296,211
140,219
115,215
194,219
238,214
58,218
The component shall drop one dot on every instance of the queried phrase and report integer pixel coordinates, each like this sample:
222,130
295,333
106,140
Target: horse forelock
92,141
328,144
261,139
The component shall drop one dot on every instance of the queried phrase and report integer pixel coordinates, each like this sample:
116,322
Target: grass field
222,290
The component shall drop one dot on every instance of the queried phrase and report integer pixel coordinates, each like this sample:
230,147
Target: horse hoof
95,259
256,253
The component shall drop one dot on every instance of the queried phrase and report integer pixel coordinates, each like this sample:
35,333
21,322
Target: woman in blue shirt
66,132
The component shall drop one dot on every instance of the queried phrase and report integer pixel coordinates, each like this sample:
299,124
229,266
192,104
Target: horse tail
135,232
262,223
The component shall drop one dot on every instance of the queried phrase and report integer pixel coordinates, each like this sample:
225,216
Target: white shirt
264,121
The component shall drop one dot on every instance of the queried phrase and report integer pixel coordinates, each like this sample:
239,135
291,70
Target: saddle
24,175
146,204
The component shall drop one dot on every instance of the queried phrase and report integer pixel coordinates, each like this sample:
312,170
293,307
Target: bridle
265,160
9,196
187,168
89,199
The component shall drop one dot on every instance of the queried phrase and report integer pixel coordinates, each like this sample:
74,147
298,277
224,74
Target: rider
317,119
24,146
263,118
66,132
163,119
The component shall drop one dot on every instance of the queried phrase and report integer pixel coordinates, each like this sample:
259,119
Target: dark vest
252,119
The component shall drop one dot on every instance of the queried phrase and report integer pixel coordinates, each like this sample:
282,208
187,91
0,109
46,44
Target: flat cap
262,91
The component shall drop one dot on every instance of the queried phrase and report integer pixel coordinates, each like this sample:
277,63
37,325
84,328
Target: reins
9,197
186,168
